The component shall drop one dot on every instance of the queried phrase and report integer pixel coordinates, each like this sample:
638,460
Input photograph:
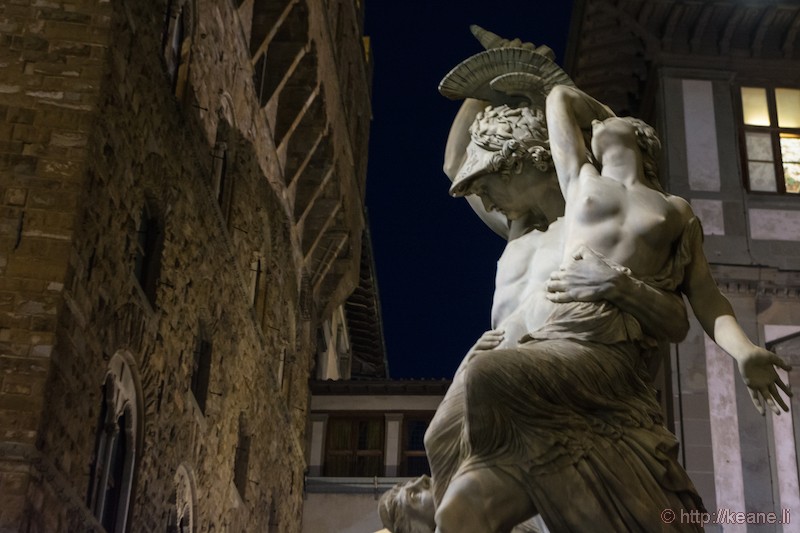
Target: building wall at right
738,459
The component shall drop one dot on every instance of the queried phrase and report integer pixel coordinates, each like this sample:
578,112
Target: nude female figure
616,207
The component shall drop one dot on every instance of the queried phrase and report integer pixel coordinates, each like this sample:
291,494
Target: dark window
108,493
181,504
273,525
201,369
147,262
174,525
116,471
99,446
259,287
242,459
771,138
173,36
355,447
172,516
414,461
221,179
221,175
176,46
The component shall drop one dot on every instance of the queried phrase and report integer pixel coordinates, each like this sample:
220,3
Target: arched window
181,517
149,245
112,470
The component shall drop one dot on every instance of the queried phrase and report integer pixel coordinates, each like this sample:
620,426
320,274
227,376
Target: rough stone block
15,196
48,168
30,267
20,115
52,199
17,385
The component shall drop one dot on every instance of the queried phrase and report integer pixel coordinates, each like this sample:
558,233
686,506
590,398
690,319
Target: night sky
435,259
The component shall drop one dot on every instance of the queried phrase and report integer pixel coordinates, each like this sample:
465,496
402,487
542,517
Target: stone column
391,457
319,423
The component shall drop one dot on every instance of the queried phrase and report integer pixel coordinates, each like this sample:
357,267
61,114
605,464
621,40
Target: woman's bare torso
631,224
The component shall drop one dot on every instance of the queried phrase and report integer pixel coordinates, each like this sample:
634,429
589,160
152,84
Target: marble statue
551,411
409,507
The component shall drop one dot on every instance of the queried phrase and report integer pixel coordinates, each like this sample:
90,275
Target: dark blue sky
435,259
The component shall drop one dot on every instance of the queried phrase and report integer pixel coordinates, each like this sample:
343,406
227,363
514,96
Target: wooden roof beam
668,35
790,37
763,26
652,44
309,155
334,206
700,27
730,27
317,192
262,48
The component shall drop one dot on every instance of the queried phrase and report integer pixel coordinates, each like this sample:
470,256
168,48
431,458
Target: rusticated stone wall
51,66
93,129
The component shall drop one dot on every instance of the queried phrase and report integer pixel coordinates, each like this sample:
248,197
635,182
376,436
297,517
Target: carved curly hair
515,135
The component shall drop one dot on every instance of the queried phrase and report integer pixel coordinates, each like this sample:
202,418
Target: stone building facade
720,82
182,187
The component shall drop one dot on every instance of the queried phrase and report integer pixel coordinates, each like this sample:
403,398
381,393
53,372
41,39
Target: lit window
355,447
771,133
414,460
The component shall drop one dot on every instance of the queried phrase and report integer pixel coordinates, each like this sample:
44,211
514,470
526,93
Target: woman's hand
759,374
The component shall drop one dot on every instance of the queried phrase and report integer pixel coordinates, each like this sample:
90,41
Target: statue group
551,422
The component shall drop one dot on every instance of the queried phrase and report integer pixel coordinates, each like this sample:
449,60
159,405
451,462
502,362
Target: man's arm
589,277
662,314
455,153
570,111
